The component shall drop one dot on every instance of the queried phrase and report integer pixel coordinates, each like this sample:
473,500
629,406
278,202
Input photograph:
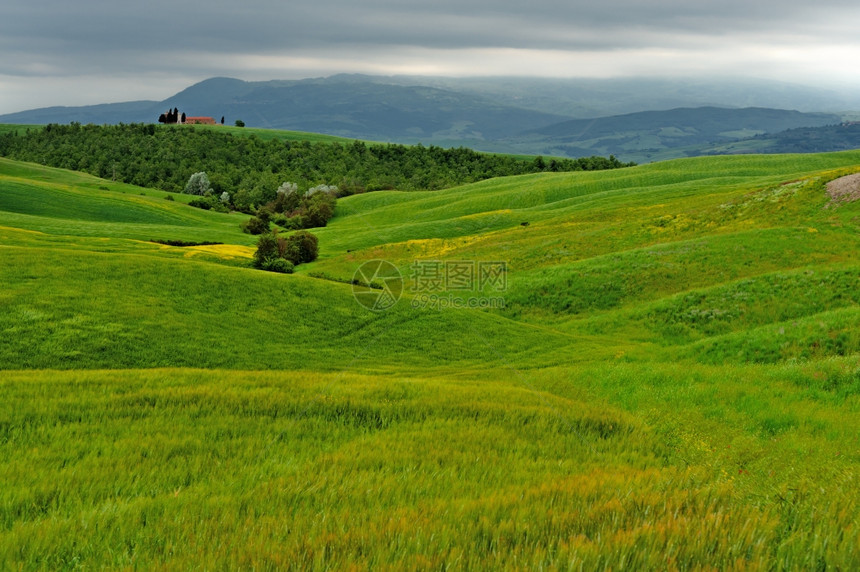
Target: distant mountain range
533,116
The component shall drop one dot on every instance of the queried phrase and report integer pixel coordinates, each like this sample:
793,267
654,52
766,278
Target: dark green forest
251,169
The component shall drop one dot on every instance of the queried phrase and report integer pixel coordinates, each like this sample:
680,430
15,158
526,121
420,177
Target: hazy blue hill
211,93
699,123
653,135
810,139
127,112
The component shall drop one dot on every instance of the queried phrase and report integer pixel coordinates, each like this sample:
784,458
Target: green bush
320,208
288,222
278,265
268,248
200,204
301,247
277,254
255,225
280,220
209,202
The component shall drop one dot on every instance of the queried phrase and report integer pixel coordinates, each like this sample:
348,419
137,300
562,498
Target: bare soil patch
844,190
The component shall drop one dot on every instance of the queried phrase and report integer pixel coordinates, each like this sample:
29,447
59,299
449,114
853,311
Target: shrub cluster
184,243
257,224
281,254
292,210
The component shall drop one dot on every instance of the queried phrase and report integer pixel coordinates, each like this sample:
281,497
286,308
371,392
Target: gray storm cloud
56,39
101,27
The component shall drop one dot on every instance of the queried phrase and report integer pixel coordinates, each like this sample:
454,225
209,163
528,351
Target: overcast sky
75,52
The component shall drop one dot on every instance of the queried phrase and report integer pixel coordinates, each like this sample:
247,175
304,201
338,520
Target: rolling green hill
671,382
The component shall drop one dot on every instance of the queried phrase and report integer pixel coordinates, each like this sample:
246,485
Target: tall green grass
176,468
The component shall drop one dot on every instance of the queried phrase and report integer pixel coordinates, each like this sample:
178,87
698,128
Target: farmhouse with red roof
199,121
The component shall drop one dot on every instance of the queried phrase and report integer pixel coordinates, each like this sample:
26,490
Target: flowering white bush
288,188
198,184
331,189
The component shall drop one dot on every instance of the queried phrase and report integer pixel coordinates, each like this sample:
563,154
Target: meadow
673,382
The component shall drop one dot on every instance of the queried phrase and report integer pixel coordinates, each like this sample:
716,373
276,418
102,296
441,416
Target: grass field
672,383
279,134
265,134
7,128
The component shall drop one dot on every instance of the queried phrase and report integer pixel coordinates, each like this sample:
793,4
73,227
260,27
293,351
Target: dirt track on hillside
844,190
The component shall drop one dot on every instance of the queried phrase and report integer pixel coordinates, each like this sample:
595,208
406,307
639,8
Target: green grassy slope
9,127
265,134
601,251
65,203
673,382
279,134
